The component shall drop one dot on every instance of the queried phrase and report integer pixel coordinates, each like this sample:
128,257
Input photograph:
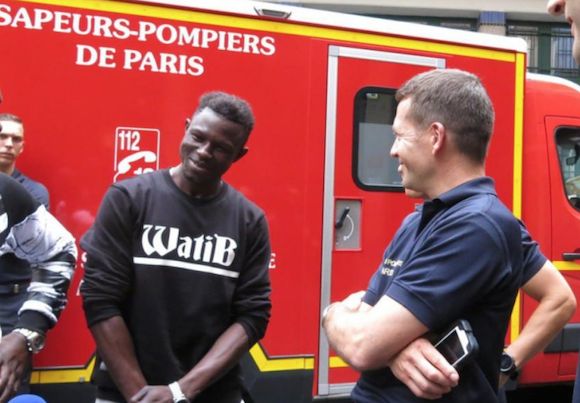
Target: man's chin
6,164
413,194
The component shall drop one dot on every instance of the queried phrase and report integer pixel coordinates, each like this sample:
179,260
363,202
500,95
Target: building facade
549,39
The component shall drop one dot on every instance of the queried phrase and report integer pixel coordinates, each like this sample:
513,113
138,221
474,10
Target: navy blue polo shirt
459,257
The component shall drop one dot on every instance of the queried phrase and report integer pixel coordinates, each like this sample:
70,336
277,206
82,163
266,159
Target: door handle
570,256
340,221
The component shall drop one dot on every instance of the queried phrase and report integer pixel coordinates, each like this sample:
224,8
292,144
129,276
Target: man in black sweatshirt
176,283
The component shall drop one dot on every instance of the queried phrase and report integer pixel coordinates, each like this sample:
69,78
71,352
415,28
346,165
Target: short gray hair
456,99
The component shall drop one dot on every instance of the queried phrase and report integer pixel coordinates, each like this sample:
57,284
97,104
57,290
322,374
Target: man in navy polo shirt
458,257
427,373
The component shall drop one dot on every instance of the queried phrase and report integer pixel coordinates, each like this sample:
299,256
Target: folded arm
50,249
368,337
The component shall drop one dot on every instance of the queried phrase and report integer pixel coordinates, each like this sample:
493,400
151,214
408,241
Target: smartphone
458,344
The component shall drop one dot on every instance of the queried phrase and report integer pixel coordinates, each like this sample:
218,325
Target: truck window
373,168
568,144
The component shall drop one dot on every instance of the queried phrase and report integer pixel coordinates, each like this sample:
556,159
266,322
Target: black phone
458,344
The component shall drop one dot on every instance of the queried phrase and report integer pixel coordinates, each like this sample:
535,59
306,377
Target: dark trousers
576,393
501,397
9,306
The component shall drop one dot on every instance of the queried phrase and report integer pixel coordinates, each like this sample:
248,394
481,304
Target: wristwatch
178,396
34,340
508,366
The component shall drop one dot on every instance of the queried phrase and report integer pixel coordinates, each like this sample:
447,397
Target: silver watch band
34,340
178,396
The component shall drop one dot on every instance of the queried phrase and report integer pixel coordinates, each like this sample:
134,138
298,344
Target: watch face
38,343
34,339
507,362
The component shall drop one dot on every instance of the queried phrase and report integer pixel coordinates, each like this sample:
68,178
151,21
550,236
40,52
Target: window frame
358,114
560,162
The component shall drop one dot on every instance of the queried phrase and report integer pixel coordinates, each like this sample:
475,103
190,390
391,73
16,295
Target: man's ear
242,153
438,136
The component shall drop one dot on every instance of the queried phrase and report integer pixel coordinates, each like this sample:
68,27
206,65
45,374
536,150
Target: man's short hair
230,107
456,99
10,117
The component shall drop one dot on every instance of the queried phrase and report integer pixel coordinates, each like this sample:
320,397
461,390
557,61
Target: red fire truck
104,88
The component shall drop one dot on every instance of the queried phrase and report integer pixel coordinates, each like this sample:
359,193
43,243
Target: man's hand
153,394
368,337
13,361
354,301
424,370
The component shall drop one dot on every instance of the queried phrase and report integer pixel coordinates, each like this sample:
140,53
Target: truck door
364,203
565,199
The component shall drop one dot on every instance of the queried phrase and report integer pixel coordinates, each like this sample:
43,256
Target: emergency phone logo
136,152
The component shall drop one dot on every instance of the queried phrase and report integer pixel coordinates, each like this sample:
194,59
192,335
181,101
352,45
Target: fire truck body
104,88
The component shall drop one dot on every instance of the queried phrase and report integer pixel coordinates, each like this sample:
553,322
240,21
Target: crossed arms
417,363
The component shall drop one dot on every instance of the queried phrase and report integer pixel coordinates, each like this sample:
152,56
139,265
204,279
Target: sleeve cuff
98,312
414,304
254,335
34,321
533,268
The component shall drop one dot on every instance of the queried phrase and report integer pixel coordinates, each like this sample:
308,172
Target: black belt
15,288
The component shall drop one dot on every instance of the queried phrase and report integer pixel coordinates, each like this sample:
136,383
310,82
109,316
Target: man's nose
204,150
8,142
556,7
393,151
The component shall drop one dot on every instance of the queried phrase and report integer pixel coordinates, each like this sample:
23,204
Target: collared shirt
458,257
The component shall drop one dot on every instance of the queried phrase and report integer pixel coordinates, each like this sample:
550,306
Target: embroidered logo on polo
197,254
389,266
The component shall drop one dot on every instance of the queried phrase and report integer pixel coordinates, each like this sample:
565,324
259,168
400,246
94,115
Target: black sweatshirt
180,271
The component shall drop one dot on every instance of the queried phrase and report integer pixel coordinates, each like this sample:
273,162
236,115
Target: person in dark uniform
15,274
458,257
426,372
12,141
34,235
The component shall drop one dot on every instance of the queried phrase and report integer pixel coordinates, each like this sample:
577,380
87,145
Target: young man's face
11,142
210,146
570,9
